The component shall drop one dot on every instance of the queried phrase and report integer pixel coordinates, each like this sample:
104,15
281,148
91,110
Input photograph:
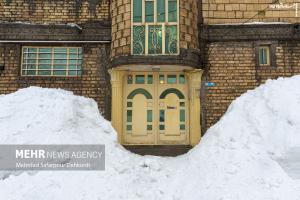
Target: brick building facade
176,57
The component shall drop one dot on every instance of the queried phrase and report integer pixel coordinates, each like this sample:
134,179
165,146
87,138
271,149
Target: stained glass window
150,28
138,40
155,39
171,39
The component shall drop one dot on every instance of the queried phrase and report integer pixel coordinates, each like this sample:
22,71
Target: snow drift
239,158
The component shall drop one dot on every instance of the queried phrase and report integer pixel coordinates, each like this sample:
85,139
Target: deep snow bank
237,158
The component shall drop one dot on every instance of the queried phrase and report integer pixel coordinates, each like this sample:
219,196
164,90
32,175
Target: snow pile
238,159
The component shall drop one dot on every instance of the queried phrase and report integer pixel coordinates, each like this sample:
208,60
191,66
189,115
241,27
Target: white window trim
163,24
267,48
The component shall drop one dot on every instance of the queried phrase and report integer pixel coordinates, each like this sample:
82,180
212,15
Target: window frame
272,53
268,55
52,61
155,23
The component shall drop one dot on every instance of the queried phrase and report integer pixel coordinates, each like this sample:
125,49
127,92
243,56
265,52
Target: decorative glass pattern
155,27
51,61
155,40
171,40
138,40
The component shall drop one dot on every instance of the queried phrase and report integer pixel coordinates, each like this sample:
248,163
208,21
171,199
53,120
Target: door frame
194,76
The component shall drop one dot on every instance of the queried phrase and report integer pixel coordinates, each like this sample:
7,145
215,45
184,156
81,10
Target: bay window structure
155,29
51,61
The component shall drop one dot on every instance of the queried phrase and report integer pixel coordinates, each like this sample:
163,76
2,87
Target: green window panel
155,39
60,50
72,73
31,72
181,79
149,11
150,79
129,104
45,50
31,61
161,116
45,61
72,67
129,115
60,61
129,79
62,67
60,72
44,72
140,79
171,79
60,56
31,66
137,10
73,50
161,10
172,11
182,115
129,127
149,116
45,56
139,40
161,127
182,127
171,40
73,56
161,79
149,127
44,67
31,56
182,104
31,50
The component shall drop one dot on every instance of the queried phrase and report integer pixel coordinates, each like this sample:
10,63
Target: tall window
264,55
155,27
51,61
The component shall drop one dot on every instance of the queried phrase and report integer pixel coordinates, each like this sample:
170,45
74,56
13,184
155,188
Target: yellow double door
156,109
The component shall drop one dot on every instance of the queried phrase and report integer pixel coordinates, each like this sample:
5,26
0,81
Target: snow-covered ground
252,153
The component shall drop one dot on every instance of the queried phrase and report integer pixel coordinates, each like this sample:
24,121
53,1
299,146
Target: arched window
155,27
